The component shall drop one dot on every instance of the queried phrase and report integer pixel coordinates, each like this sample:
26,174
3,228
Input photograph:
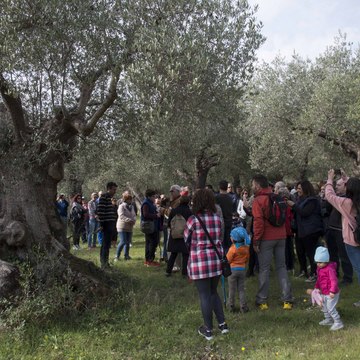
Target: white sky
305,26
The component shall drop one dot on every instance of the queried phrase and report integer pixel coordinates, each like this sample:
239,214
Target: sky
306,27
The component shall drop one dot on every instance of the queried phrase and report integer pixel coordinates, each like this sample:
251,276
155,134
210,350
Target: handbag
225,266
147,226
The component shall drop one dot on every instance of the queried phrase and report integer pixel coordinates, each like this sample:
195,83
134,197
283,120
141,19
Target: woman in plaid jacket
204,266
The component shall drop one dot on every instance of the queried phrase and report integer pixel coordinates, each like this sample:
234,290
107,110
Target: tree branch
13,104
108,101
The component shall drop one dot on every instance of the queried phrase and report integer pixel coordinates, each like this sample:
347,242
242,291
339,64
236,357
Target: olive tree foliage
184,101
303,117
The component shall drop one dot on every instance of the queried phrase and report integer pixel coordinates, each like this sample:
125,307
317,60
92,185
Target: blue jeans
354,256
93,225
125,240
100,237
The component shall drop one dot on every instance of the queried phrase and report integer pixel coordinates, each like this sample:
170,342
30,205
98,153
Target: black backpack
277,210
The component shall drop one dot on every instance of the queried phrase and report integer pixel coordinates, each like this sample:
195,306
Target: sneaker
203,331
326,322
223,328
356,304
116,258
262,307
287,305
175,269
244,309
337,326
311,279
147,263
127,258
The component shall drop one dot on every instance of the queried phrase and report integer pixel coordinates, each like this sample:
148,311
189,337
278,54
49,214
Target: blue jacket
308,216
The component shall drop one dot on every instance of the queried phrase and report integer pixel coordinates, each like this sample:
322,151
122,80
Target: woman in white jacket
125,224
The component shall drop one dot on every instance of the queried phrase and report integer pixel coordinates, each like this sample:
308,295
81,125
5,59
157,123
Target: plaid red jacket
203,261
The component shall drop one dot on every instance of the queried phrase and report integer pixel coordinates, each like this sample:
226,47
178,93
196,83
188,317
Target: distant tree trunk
203,163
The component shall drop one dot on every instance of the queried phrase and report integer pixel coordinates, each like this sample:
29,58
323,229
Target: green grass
154,317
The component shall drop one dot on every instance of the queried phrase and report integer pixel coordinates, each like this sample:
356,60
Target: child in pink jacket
327,284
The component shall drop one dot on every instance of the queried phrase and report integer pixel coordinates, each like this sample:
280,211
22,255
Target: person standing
176,244
334,238
93,224
349,207
225,201
309,225
107,216
62,206
149,213
77,219
204,265
125,224
268,240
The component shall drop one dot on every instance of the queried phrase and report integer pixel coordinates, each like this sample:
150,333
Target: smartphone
337,172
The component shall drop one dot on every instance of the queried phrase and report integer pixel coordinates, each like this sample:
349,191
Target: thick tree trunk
30,225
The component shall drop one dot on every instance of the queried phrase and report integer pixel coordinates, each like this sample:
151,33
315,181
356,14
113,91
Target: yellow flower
242,349
277,354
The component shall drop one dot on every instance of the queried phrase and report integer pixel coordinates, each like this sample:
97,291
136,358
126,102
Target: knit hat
322,255
240,236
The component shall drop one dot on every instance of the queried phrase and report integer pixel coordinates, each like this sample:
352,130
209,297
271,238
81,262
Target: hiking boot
244,309
203,331
263,306
287,305
326,322
337,326
223,328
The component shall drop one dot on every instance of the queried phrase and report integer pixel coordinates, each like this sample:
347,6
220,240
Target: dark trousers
337,251
109,229
210,300
253,261
227,241
151,243
311,242
171,262
301,255
289,253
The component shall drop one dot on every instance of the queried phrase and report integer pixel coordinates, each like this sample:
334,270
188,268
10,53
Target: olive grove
74,68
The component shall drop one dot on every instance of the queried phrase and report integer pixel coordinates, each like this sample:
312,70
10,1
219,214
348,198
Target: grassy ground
154,317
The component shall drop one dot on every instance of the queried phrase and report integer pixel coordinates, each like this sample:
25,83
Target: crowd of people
311,224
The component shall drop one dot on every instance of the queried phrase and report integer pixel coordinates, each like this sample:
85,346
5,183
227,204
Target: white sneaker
326,322
116,258
337,326
356,304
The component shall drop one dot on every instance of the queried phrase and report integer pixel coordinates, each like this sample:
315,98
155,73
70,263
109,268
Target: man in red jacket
268,240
